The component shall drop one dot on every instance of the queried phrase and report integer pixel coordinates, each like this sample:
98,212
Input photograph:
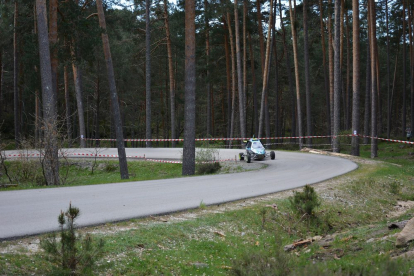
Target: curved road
30,212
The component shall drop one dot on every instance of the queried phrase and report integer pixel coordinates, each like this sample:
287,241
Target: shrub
208,168
73,253
206,160
305,202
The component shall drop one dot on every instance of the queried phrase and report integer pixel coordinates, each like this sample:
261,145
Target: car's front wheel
272,155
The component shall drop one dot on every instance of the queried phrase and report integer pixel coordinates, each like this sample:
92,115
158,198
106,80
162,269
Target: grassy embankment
247,238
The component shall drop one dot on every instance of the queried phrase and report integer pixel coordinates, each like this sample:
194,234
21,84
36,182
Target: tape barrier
264,138
143,158
205,139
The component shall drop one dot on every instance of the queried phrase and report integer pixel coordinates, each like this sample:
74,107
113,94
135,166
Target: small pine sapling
305,202
72,253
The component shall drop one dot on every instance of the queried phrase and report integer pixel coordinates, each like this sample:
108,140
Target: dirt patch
401,208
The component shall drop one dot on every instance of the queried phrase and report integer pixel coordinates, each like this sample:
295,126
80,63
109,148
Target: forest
262,68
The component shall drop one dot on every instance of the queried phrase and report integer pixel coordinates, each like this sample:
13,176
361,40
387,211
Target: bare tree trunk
1,83
17,127
171,72
245,60
337,77
208,88
96,111
190,86
355,77
113,93
307,73
266,71
348,76
51,161
331,66
411,22
239,72
372,30
289,73
260,31
254,92
53,39
228,77
295,57
404,84
276,76
148,121
233,76
367,106
67,105
77,78
388,73
325,71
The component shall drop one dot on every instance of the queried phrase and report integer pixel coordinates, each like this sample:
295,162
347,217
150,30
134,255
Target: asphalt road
31,212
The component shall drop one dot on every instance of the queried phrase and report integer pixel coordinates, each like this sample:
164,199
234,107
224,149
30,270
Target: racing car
255,151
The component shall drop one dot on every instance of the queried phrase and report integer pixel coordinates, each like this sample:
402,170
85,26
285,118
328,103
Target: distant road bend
30,212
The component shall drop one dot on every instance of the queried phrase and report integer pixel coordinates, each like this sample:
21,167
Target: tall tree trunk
266,70
228,78
337,77
171,72
372,30
331,66
325,70
190,86
411,22
348,75
50,161
1,83
254,92
67,105
307,73
295,57
53,39
367,105
208,88
404,84
148,121
355,77
239,72
388,74
245,60
260,31
233,77
276,78
96,114
17,127
113,94
77,78
289,73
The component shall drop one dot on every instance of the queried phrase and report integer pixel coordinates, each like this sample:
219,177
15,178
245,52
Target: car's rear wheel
241,156
272,155
249,158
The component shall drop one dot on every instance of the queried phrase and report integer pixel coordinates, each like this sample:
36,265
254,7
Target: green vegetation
72,254
27,173
350,234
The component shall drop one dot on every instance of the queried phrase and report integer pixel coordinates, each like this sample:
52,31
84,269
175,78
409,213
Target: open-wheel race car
255,151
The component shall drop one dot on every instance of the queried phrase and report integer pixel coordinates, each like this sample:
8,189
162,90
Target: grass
79,172
247,237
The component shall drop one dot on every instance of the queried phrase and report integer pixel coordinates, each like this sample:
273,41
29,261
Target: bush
206,160
73,253
305,202
208,168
